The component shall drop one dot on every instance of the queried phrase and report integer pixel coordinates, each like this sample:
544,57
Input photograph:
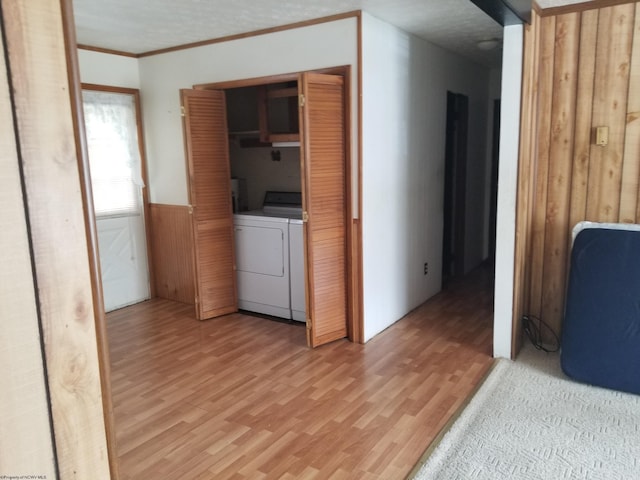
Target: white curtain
114,154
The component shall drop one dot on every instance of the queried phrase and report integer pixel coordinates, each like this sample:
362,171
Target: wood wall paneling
26,443
613,56
589,76
544,106
171,252
584,108
631,173
35,49
577,7
526,182
567,35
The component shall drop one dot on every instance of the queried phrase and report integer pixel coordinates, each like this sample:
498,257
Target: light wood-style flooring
241,397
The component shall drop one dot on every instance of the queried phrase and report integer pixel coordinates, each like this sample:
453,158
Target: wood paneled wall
582,71
51,318
171,252
26,442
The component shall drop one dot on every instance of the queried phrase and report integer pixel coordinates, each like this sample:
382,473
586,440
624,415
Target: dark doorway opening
455,177
493,205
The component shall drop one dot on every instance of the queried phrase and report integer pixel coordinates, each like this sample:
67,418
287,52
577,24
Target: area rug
529,421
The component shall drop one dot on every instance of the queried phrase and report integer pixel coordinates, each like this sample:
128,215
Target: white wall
507,189
106,69
162,76
405,83
261,173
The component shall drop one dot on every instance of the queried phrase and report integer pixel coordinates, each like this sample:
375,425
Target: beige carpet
529,421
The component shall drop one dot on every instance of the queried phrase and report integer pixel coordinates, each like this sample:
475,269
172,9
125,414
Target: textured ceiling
138,26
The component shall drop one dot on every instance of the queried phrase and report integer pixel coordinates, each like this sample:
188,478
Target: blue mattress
601,328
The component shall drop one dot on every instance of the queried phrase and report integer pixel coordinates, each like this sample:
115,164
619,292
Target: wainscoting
171,252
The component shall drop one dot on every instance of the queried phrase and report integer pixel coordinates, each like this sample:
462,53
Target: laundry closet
285,172
266,189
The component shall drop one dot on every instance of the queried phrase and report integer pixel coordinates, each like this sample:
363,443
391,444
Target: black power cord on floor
534,332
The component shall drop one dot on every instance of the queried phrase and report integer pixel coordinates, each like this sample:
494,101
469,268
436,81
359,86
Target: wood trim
135,93
264,31
578,7
77,112
353,328
145,192
171,251
110,88
282,137
263,116
107,50
632,134
359,292
357,280
526,180
249,82
535,8
283,92
38,46
267,80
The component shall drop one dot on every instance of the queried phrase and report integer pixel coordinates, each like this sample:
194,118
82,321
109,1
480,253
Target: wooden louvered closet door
324,195
205,133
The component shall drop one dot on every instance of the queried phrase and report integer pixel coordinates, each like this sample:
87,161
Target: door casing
353,285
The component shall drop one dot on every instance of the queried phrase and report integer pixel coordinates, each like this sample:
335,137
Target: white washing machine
262,263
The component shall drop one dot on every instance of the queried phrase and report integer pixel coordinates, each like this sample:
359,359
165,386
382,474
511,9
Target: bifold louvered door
324,191
207,150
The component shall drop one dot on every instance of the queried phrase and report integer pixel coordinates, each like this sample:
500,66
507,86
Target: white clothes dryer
262,264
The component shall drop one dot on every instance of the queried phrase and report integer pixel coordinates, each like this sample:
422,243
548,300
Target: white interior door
116,179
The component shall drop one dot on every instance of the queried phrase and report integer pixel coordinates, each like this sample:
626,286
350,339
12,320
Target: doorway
324,165
112,122
455,177
493,205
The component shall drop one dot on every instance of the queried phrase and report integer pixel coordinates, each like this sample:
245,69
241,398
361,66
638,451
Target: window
114,153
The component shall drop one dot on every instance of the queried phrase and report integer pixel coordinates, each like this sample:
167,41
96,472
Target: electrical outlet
426,267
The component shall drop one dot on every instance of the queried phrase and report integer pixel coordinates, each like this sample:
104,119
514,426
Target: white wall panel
318,46
405,83
105,69
507,185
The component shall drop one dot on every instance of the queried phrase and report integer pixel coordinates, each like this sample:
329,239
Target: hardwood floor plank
242,397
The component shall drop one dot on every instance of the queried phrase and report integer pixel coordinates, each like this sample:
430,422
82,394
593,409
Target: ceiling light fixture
488,44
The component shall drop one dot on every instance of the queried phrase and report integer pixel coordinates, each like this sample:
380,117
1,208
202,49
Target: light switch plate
602,136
